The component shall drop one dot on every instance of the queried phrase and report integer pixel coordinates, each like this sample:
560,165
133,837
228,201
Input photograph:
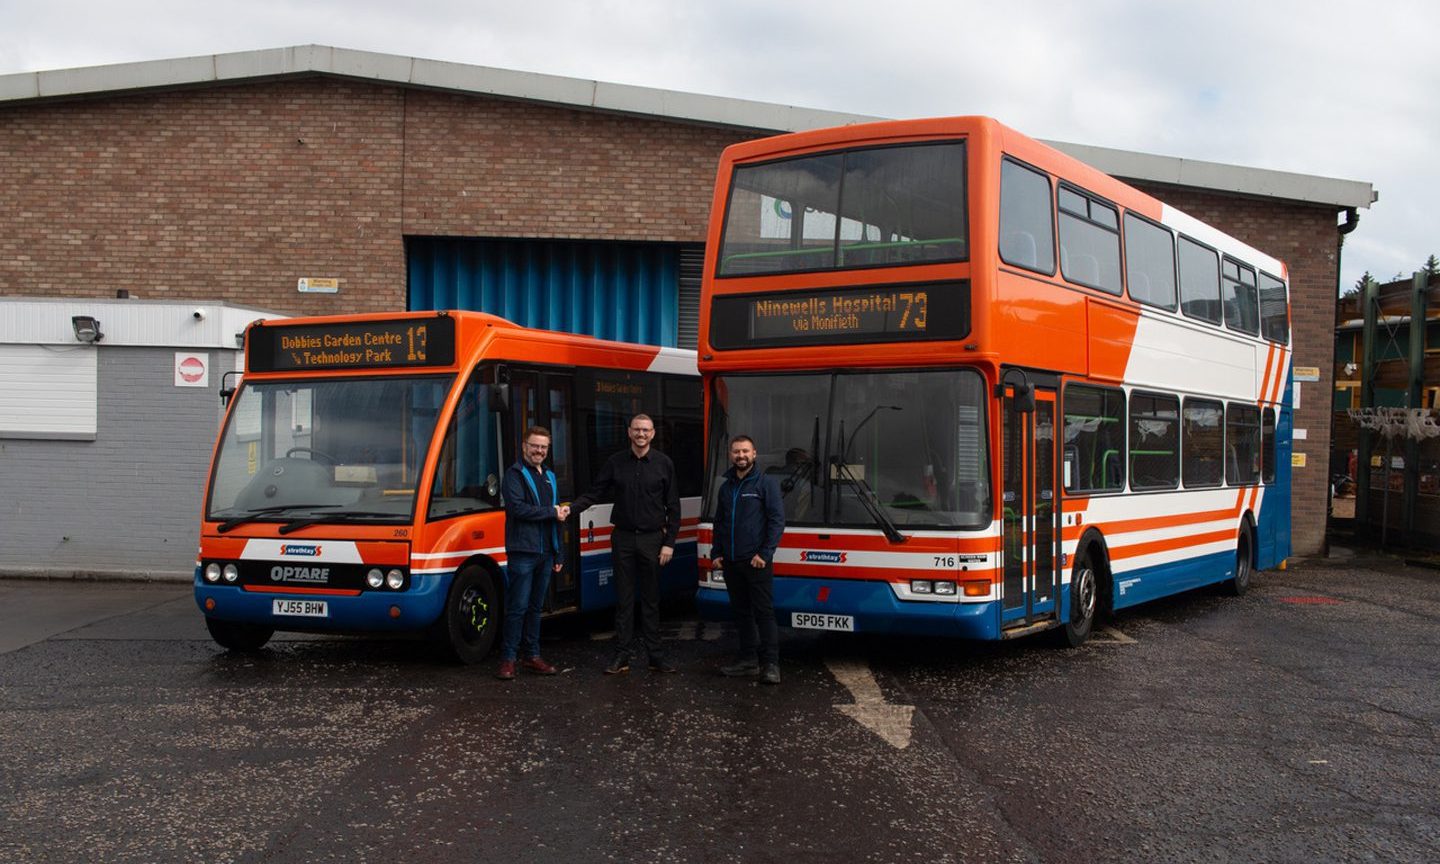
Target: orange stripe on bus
1269,367
1169,545
290,589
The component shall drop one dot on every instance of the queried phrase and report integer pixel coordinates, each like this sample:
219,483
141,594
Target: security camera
198,314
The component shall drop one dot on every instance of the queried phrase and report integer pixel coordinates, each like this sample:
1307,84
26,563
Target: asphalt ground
1297,723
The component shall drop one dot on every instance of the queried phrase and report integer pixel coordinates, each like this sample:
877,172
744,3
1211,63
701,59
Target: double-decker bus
1002,392
355,483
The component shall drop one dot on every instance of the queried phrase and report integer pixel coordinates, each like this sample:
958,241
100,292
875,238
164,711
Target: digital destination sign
352,345
892,313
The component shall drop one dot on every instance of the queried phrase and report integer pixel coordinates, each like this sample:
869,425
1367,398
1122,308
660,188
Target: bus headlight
212,572
394,579
231,572
947,588
922,586
374,578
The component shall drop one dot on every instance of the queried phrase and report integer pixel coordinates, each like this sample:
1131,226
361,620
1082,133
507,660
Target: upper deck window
1242,308
1089,241
1027,233
874,207
1199,281
1149,262
1274,313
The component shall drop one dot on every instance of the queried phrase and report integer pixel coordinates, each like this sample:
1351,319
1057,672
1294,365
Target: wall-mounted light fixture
87,329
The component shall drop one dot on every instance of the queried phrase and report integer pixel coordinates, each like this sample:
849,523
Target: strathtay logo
305,551
812,556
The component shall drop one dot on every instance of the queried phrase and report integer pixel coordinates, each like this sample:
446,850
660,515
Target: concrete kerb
47,573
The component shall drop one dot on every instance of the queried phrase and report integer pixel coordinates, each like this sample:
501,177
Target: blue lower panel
1152,583
875,607
370,611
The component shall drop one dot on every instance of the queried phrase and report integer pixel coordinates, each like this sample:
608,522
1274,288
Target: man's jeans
528,578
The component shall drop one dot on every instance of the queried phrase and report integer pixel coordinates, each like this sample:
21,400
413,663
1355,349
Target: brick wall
232,193
130,499
1304,237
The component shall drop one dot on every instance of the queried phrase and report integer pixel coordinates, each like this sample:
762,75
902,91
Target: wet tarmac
1298,723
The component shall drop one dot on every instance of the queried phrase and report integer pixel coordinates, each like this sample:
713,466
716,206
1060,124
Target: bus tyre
1084,599
235,636
472,616
1238,584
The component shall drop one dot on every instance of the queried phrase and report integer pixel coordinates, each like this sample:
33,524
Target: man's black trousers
751,591
635,558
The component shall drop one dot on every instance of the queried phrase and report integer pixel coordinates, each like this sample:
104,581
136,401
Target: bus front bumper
412,609
871,606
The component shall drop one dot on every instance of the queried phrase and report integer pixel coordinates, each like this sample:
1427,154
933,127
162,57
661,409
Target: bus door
547,398
1031,503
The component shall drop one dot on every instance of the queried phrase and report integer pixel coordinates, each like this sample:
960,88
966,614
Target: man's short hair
738,438
537,430
640,417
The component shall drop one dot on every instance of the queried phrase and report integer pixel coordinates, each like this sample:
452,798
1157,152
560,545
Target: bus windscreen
871,207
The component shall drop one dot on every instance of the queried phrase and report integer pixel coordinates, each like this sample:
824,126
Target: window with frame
867,207
1094,448
1027,234
1267,445
1154,441
1199,281
1089,241
1242,445
468,467
1238,296
1202,443
1274,311
1149,262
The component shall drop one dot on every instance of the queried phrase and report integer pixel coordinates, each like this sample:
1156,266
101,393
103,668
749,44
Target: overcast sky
1335,89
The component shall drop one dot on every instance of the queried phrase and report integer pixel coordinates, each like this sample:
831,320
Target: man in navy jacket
749,519
533,514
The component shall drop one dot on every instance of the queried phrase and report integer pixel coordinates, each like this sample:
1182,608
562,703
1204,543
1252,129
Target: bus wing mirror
227,388
1023,402
499,397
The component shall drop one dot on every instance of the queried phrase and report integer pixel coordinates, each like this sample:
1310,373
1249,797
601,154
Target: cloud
1328,88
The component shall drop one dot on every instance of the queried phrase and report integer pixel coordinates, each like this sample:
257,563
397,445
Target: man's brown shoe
506,671
538,666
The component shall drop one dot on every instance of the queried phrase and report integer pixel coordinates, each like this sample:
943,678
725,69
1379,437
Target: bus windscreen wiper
252,515
338,518
871,502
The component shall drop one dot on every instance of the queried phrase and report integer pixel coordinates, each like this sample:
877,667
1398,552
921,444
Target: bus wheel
472,616
236,636
1240,582
1083,601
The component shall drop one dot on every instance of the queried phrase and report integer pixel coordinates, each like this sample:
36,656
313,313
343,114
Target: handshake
562,512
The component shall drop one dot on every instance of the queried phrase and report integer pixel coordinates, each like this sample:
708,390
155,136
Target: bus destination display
891,313
353,345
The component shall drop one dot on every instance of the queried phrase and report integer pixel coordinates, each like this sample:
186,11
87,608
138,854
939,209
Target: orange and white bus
1002,391
355,483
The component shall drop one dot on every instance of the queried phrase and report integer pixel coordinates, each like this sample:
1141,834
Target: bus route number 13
417,343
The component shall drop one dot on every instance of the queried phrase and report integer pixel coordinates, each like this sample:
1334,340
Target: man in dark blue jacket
749,519
533,514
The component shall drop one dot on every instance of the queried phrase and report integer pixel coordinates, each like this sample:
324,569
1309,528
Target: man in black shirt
640,481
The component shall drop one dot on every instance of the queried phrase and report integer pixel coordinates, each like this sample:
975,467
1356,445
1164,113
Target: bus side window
1018,248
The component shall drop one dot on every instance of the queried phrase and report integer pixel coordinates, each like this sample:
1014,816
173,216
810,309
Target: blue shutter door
623,291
